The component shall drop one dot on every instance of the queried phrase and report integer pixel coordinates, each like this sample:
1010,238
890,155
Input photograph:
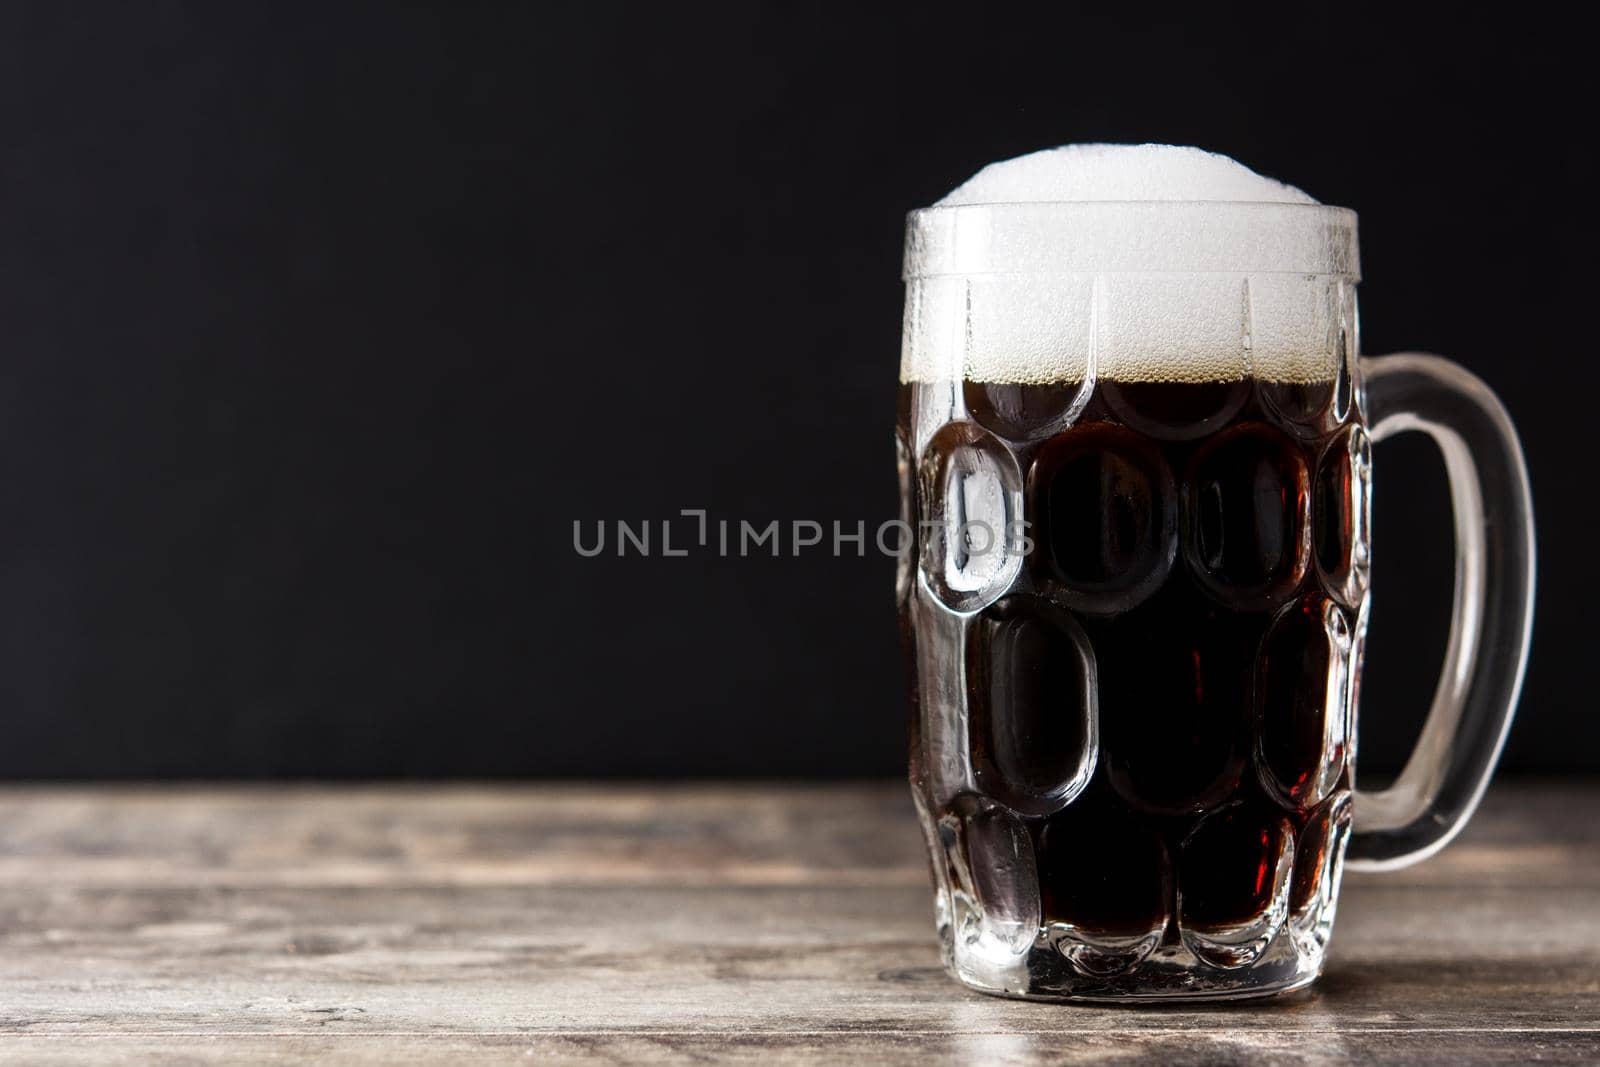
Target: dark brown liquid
1193,574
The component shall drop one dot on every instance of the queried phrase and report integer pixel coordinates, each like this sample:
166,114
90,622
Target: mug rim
1131,236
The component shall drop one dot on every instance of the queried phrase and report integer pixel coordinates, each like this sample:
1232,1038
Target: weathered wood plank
620,924
1175,1048
600,959
473,835
553,834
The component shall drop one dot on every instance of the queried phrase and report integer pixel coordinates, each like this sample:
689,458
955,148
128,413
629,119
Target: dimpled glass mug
1135,442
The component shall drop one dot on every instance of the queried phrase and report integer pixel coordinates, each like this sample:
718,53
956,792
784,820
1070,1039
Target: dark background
319,326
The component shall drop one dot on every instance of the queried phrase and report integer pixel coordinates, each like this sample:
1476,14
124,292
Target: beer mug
1135,444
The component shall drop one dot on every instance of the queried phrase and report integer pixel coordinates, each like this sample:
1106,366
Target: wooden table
407,923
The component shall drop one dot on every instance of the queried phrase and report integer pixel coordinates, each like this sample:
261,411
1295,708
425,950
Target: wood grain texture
412,924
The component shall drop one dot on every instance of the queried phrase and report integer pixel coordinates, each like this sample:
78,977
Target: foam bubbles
1078,173
1127,263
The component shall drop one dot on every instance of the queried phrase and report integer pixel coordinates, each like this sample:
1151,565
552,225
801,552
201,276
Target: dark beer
1157,694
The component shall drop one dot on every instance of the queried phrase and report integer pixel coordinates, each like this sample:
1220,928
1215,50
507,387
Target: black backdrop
320,324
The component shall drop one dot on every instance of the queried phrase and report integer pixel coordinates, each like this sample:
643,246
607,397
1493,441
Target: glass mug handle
1491,620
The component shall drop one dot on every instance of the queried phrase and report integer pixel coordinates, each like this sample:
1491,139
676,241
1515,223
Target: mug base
1168,975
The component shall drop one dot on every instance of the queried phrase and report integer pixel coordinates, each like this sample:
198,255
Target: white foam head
1079,173
1128,263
